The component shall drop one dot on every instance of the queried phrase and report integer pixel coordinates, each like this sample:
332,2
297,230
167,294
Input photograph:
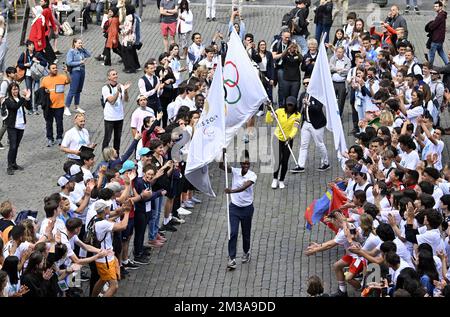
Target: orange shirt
55,84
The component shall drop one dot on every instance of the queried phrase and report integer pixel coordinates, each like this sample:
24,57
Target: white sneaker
260,113
187,204
79,110
67,111
275,183
184,212
281,185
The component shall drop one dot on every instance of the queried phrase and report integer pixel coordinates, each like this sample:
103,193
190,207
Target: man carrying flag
322,89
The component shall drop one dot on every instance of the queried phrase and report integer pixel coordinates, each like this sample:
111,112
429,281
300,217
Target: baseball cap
75,169
375,37
144,151
127,165
115,187
101,204
291,100
357,168
62,181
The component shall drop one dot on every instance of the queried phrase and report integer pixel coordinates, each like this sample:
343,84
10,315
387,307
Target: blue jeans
439,48
32,85
320,29
244,216
76,86
56,114
154,218
99,10
301,41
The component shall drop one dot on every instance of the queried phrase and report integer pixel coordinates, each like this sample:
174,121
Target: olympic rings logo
232,84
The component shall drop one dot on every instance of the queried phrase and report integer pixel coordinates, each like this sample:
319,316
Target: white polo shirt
433,238
244,198
113,112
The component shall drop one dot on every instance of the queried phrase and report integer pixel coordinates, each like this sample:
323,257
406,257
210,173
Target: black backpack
365,188
290,20
102,100
91,235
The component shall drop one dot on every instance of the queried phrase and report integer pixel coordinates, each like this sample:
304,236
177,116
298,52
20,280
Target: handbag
38,71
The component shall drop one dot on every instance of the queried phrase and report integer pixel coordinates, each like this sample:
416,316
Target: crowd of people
394,178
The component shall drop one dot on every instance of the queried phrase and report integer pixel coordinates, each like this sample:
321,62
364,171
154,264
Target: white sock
125,262
166,220
342,286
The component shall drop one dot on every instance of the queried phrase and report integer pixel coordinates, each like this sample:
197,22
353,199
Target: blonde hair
108,154
386,118
6,209
366,223
29,234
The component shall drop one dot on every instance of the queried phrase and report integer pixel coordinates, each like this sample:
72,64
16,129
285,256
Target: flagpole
225,162
284,135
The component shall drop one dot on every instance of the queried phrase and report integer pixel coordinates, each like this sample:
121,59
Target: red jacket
37,34
49,20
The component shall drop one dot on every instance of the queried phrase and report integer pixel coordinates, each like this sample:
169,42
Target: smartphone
426,57
63,285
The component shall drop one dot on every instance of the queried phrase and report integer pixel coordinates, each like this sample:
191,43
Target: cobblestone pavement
193,262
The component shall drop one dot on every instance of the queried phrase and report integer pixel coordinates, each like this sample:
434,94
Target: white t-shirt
113,112
74,139
384,213
396,273
410,160
70,244
371,242
87,174
430,147
103,230
59,226
19,250
138,116
244,198
402,251
20,119
413,113
437,194
189,103
433,238
369,194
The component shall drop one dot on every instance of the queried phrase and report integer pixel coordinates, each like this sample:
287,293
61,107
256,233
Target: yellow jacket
289,125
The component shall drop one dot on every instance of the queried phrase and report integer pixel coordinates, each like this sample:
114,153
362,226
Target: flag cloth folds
321,87
209,136
319,208
244,91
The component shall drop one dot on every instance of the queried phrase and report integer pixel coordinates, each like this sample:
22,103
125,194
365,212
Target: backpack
365,188
91,235
24,214
3,110
102,100
67,29
290,20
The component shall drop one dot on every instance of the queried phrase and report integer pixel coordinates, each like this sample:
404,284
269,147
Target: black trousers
283,159
129,58
110,127
49,53
107,54
355,118
341,93
14,137
141,220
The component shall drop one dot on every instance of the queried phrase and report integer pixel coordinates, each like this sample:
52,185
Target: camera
353,231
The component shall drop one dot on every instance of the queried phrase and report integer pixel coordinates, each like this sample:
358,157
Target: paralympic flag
209,136
322,89
244,91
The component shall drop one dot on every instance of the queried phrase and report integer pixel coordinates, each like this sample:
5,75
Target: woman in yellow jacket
289,118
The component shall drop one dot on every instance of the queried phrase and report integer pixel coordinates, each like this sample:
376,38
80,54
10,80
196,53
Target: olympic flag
244,92
209,137
322,89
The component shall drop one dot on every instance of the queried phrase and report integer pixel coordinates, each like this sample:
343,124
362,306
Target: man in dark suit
313,125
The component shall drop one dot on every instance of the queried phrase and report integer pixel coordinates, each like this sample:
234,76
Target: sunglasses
306,84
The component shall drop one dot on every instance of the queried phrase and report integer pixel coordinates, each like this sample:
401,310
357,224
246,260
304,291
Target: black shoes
339,293
297,169
17,168
9,171
324,167
168,227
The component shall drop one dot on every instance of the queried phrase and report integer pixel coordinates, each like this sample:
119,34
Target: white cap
101,204
75,169
62,181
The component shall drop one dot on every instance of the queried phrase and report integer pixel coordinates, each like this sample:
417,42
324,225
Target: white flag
321,88
209,136
244,92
